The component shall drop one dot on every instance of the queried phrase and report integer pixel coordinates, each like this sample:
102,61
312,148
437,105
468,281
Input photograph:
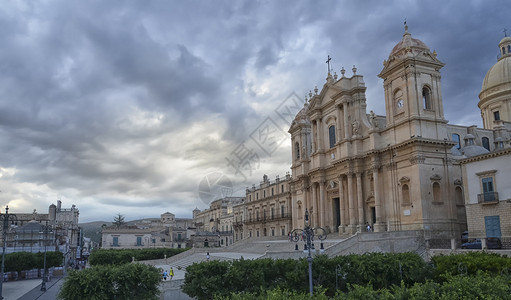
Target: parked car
491,243
464,237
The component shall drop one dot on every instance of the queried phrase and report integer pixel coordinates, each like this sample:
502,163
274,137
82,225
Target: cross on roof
328,63
505,32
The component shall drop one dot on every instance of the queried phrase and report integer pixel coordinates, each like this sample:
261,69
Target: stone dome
408,45
455,151
473,150
498,77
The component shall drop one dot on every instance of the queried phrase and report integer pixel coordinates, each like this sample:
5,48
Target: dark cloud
130,104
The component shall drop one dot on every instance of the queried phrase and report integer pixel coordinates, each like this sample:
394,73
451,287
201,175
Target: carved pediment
458,182
436,177
404,180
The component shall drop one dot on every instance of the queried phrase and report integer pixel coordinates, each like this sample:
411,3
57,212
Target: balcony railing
267,218
489,197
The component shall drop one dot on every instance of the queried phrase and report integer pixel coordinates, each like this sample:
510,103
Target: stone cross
328,62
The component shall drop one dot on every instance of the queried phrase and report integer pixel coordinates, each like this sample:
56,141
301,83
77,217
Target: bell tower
413,95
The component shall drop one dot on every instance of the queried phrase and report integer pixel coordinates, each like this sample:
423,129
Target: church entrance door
337,213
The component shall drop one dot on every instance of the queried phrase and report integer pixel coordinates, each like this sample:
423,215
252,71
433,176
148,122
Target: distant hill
92,230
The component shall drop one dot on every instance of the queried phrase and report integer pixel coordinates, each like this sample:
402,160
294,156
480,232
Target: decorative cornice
504,151
417,159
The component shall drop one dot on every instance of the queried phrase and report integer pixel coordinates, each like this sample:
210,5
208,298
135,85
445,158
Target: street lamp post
5,218
45,230
307,234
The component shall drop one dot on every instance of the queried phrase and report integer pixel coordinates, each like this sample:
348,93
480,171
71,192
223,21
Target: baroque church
401,171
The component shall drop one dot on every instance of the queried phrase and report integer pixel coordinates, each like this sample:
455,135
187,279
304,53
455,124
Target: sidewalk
31,289
12,290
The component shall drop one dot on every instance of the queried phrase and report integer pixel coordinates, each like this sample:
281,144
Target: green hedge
128,281
382,270
383,274
21,261
479,286
470,263
123,256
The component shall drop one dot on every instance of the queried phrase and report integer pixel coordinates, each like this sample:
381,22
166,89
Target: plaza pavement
30,289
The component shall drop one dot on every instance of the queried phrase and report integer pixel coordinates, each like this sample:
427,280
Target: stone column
352,228
360,201
342,206
313,139
379,226
320,134
339,136
346,125
314,202
322,204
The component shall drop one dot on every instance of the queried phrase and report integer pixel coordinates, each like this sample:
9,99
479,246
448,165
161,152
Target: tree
118,220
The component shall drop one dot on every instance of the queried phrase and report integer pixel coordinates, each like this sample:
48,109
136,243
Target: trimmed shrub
380,270
128,281
479,286
470,263
21,261
373,275
124,256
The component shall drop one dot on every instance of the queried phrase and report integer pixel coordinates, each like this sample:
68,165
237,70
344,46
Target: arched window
331,135
508,48
486,143
503,50
436,192
426,98
405,191
297,150
456,138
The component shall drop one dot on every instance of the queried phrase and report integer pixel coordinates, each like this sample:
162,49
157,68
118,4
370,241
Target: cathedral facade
401,171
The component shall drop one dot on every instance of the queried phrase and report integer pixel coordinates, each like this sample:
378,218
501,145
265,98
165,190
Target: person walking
171,273
207,256
165,274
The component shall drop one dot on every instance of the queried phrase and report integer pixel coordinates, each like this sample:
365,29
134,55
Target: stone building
27,232
266,211
214,225
395,172
486,176
488,195
166,231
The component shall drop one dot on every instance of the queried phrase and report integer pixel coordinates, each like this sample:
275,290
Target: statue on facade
374,121
355,127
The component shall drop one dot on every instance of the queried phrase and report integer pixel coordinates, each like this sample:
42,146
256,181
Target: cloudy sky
142,107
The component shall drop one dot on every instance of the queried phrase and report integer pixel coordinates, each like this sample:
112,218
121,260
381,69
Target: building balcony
264,219
488,198
225,232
